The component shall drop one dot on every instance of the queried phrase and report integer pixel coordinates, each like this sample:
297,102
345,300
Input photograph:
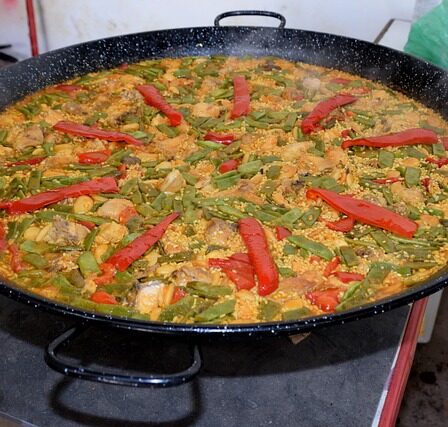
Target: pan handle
280,17
75,370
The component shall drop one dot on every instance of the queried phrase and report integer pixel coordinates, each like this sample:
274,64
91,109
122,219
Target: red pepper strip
32,203
3,242
241,97
445,142
366,212
340,81
122,168
33,161
347,277
326,300
281,232
68,88
398,139
222,138
331,266
178,294
254,238
426,182
155,99
390,180
94,157
124,257
102,297
16,259
108,275
77,129
237,268
126,214
343,225
228,165
438,162
346,132
311,122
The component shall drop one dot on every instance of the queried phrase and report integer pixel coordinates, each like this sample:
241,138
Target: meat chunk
31,137
218,232
114,207
63,232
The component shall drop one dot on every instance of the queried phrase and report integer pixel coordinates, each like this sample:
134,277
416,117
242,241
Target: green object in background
428,38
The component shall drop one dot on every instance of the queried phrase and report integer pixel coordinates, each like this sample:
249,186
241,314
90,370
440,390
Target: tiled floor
425,402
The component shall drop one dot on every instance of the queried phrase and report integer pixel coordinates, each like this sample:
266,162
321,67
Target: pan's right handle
78,371
280,17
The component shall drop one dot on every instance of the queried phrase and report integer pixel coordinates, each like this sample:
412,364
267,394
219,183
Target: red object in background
347,277
237,268
402,368
178,294
32,27
332,266
102,297
343,225
438,162
32,161
68,88
390,180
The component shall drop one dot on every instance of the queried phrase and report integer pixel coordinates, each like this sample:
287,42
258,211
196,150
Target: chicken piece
295,151
177,147
412,196
110,232
31,137
147,298
302,283
428,221
63,232
204,109
218,231
188,274
114,207
246,189
173,182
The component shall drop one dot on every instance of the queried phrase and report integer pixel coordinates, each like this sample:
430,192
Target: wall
65,22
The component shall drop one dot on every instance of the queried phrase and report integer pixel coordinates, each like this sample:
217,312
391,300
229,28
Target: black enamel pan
418,79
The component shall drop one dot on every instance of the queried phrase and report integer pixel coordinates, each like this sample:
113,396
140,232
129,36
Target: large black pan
417,79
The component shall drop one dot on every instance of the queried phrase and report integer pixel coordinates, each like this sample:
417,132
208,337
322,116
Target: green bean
412,176
118,289
90,238
411,242
189,178
268,309
23,226
12,230
438,150
87,264
222,93
388,195
226,180
314,247
289,249
286,272
107,170
207,290
129,186
229,210
75,278
386,159
34,180
413,152
351,291
289,218
349,256
256,124
3,136
197,156
378,272
273,172
179,309
366,121
290,122
115,158
210,145
269,187
216,311
295,314
435,212
35,247
413,212
177,257
65,286
425,125
310,216
415,253
420,265
250,169
384,241
157,204
35,260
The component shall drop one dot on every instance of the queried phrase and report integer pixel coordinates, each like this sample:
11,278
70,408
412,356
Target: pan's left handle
276,15
153,380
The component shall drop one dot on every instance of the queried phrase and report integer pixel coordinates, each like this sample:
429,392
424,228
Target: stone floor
425,403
